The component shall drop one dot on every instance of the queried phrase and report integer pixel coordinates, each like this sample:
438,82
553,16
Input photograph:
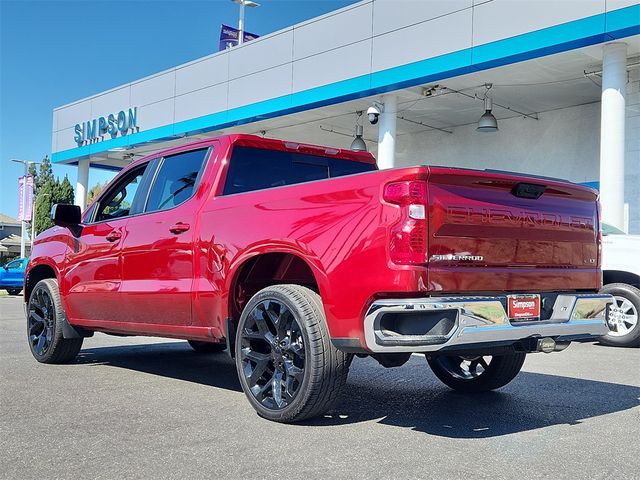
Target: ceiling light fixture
358,144
487,122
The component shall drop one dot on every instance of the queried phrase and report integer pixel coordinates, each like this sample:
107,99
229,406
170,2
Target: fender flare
279,246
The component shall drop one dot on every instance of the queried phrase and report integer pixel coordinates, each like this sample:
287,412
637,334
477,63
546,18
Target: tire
207,347
14,291
44,325
496,372
624,317
288,367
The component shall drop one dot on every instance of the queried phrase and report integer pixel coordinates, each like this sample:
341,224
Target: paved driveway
152,408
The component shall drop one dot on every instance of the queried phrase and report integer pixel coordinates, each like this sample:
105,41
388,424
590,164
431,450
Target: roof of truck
256,141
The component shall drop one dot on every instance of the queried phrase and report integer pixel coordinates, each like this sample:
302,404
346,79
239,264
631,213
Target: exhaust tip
546,345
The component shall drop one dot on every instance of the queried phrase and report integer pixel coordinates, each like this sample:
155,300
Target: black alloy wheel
40,321
288,368
465,368
45,319
272,352
472,374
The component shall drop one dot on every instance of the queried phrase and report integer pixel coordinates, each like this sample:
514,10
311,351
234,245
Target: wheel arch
257,269
37,272
620,276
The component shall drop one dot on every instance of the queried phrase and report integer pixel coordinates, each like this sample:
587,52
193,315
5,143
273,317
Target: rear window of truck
256,169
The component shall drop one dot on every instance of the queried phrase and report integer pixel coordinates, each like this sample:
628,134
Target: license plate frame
523,307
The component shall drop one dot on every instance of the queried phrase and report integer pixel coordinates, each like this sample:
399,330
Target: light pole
23,226
243,3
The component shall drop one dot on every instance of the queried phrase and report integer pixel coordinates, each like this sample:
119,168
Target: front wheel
44,325
14,291
288,367
473,374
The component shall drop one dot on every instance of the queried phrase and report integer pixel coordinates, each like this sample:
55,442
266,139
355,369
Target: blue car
12,275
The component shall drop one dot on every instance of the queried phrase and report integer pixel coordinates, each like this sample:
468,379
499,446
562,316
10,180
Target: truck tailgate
499,231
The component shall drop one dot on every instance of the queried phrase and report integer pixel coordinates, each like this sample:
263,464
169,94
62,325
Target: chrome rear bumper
479,320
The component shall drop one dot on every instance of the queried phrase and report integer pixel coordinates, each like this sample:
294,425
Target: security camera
373,113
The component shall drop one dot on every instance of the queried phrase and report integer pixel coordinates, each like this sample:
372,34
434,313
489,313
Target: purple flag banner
229,37
25,200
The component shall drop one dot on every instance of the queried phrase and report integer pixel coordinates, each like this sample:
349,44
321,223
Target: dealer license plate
523,307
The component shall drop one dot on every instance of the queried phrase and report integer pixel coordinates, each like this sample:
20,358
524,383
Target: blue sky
55,52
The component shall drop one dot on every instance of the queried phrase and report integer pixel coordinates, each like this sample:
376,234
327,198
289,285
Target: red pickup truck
298,257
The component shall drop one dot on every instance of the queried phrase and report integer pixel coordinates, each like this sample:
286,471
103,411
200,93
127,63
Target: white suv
621,278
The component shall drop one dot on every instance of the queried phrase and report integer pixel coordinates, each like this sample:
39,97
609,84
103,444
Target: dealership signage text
91,131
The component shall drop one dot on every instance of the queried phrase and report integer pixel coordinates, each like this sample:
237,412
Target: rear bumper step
441,323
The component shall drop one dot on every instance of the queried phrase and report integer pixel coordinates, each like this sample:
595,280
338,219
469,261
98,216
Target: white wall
354,42
632,154
562,143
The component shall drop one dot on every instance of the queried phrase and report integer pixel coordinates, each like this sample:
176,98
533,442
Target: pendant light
487,122
358,144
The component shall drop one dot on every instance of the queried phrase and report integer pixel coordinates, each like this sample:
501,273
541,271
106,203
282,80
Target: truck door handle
179,227
113,236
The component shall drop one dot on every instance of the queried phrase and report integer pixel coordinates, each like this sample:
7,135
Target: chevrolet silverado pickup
296,258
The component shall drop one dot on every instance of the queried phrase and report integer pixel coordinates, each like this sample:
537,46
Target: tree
39,179
95,191
65,191
52,191
46,173
34,173
43,203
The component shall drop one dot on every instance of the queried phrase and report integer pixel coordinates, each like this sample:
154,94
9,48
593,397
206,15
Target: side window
118,200
340,168
256,169
176,180
14,265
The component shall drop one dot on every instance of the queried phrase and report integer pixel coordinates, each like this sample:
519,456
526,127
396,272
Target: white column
387,133
612,124
82,184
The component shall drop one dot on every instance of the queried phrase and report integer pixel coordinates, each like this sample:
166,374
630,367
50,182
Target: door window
256,169
118,201
176,180
14,265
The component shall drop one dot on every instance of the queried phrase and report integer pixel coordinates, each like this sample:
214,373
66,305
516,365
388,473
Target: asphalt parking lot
143,408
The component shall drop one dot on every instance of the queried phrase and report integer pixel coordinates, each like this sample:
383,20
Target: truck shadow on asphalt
172,360
409,396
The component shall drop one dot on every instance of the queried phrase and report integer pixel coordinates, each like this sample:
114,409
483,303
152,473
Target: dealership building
560,78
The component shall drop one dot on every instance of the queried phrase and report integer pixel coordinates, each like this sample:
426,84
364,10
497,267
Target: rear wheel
623,316
472,374
44,325
14,291
288,367
207,347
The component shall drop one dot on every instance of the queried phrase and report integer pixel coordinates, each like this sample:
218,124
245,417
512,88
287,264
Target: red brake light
408,237
404,193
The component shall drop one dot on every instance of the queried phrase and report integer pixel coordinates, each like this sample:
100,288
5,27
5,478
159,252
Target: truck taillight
408,237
